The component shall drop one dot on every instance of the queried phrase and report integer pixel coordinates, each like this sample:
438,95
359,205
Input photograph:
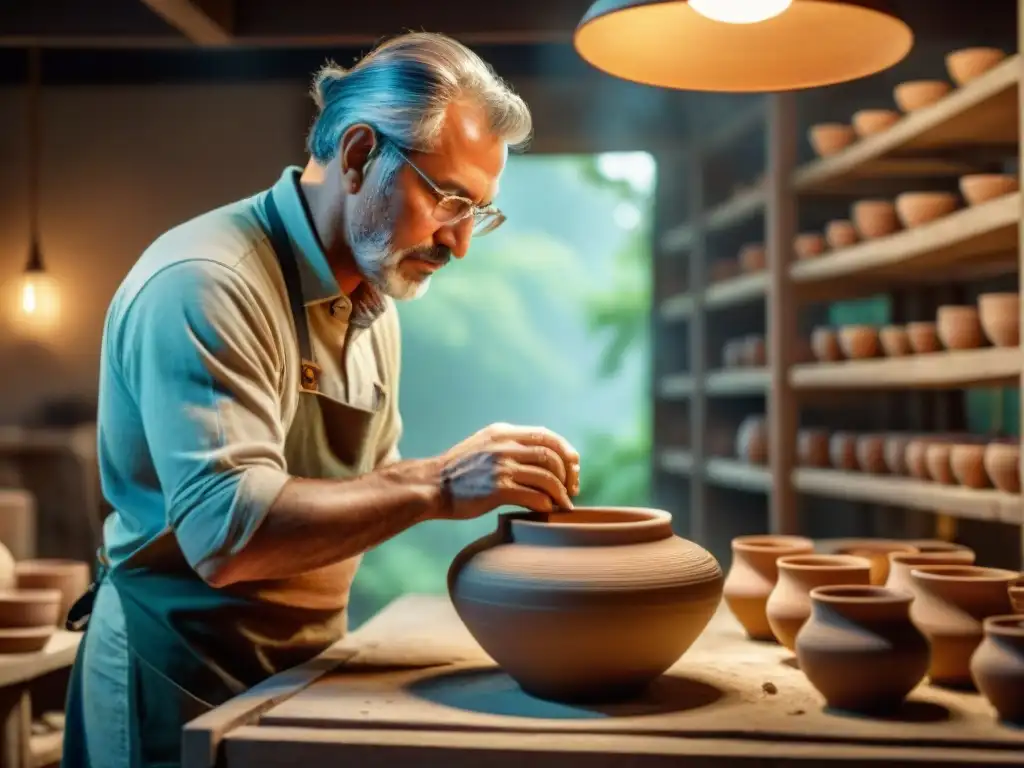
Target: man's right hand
503,464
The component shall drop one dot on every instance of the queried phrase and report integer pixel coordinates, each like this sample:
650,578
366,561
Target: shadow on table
491,691
910,711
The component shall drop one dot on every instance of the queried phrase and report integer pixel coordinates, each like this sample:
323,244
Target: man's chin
401,288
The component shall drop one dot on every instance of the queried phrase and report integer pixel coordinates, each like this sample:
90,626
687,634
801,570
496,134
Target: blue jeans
105,683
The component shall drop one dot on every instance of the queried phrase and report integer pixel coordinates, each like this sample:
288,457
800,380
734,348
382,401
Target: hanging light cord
35,254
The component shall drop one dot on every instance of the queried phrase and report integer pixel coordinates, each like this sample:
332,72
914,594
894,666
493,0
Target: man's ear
358,146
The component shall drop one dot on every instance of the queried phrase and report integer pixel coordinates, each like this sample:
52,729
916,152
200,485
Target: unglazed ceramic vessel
999,314
71,577
902,563
812,448
753,575
590,604
876,551
966,64
1002,464
950,604
860,649
789,604
978,188
997,667
752,440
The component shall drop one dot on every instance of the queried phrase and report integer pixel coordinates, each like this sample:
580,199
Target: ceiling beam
203,22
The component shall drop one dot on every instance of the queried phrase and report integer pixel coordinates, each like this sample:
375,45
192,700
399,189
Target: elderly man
249,422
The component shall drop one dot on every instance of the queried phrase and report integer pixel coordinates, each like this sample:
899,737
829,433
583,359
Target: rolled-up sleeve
201,359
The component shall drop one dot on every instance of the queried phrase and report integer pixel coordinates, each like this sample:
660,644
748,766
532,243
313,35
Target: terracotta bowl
959,327
30,607
842,451
830,138
858,341
871,454
967,463
25,639
936,458
896,453
877,551
918,94
71,577
752,257
840,233
807,245
812,448
868,122
968,63
917,208
924,337
875,218
1002,465
825,345
755,354
733,353
894,340
999,314
981,187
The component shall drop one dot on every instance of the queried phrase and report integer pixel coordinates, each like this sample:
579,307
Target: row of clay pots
869,622
35,597
951,459
963,66
746,352
996,319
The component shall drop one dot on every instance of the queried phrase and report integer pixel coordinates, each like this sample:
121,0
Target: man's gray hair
402,89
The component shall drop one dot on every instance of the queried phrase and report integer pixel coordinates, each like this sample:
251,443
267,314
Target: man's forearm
314,523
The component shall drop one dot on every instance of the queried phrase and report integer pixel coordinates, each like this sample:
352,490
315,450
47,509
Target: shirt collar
317,279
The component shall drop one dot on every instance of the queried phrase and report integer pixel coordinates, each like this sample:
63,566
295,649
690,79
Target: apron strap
282,246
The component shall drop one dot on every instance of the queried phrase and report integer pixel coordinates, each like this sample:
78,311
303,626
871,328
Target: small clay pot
825,345
916,458
968,63
999,314
918,94
1002,465
875,218
860,649
876,551
936,458
917,208
840,234
30,607
755,354
752,257
733,353
18,640
71,577
752,440
789,604
812,448
950,604
902,563
809,245
979,188
868,122
894,341
997,667
896,453
858,341
871,454
829,138
959,327
968,464
924,338
752,578
842,451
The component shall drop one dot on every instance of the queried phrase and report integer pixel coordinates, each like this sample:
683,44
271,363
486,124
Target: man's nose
456,237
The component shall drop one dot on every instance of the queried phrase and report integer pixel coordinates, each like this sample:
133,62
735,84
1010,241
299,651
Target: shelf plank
678,307
988,366
676,386
676,461
736,290
952,500
740,475
964,236
980,113
738,381
737,208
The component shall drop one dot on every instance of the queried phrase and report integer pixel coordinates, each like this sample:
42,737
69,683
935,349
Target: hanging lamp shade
741,46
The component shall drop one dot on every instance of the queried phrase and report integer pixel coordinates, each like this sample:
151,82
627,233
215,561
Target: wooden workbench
411,687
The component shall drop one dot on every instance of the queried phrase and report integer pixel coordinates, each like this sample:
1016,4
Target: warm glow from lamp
36,303
740,11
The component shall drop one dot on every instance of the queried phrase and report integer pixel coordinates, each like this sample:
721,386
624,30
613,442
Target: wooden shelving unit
699,402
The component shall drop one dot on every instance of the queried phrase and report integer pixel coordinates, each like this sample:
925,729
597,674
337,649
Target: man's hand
502,464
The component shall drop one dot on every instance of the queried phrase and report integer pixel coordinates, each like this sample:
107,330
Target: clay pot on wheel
860,649
753,575
877,552
950,604
789,604
591,604
997,667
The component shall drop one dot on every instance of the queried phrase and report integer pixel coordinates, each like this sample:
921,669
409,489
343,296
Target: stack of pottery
753,576
590,604
28,613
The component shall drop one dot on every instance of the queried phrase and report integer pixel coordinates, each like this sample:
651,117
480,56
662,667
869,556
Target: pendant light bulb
740,11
